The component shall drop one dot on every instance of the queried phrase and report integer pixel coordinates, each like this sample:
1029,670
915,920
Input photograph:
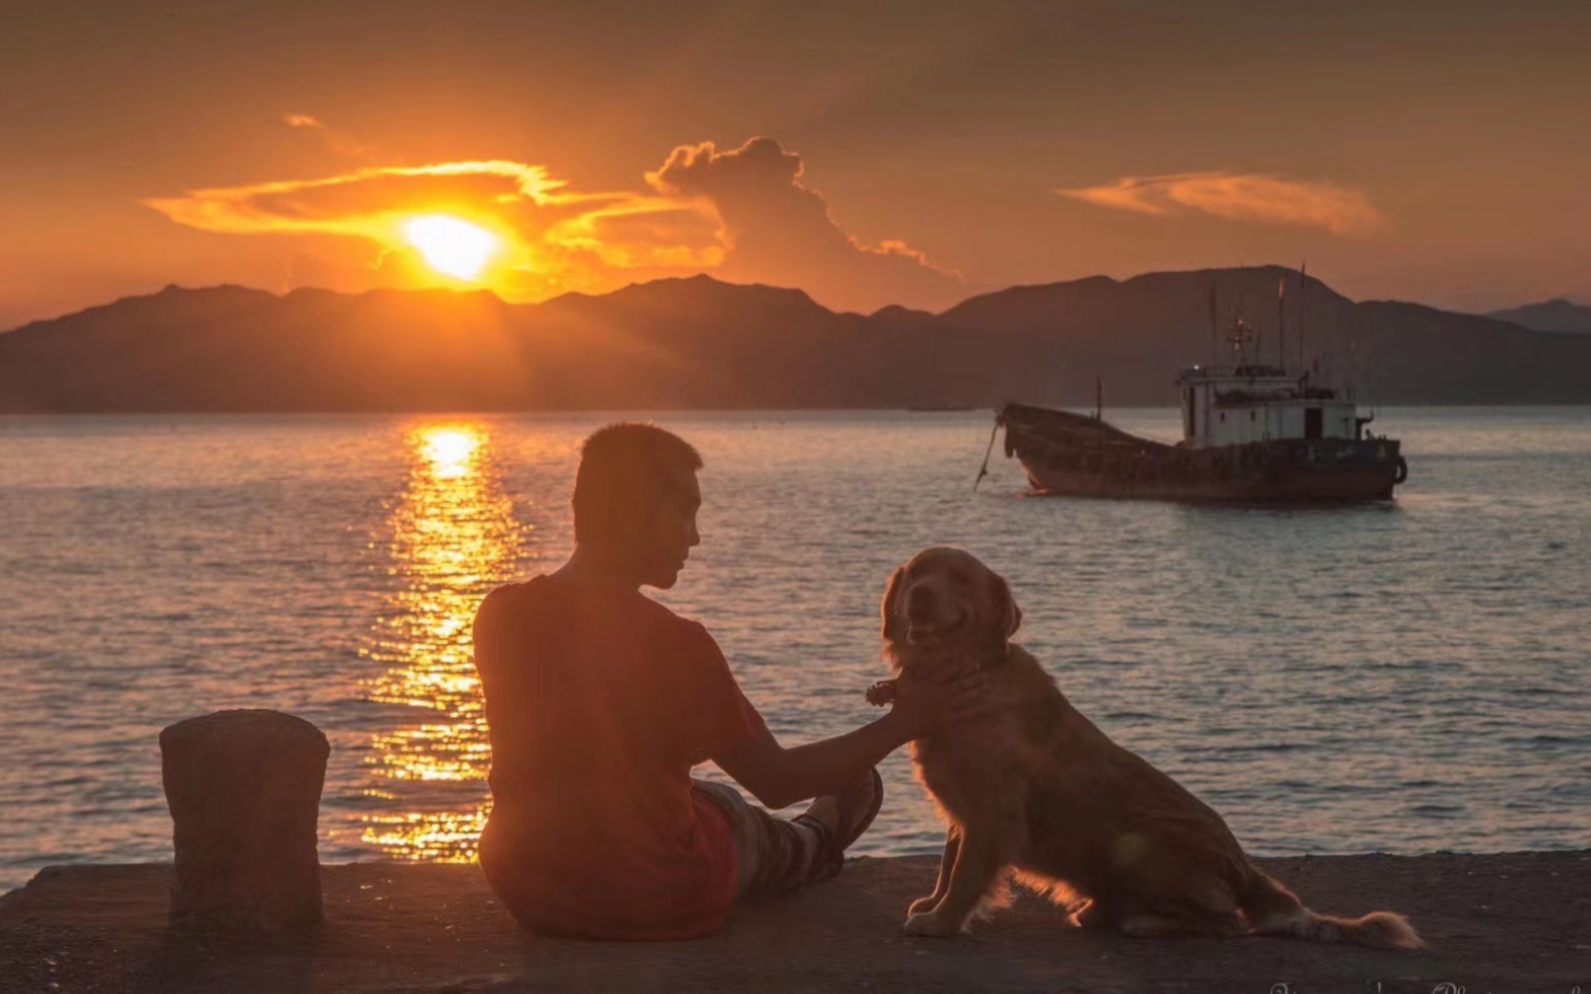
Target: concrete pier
1516,922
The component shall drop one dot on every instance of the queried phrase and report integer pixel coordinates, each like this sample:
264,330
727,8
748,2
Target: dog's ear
886,607
1005,607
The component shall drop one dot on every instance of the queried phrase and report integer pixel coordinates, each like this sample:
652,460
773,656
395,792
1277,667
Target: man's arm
778,777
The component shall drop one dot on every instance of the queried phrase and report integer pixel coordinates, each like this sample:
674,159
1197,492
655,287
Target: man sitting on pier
599,702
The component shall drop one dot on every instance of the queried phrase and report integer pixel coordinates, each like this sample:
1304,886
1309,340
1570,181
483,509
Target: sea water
1401,677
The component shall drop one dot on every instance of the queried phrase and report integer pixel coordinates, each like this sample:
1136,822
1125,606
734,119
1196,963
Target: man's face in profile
673,532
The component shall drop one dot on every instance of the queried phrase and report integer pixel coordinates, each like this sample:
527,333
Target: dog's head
946,599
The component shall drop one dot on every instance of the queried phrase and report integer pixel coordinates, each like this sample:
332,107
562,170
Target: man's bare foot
826,809
842,818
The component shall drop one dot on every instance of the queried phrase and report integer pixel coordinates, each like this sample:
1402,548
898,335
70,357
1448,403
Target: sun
454,247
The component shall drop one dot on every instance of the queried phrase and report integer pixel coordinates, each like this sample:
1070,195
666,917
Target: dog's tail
1275,910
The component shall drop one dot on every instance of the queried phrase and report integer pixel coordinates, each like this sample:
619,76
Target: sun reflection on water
454,537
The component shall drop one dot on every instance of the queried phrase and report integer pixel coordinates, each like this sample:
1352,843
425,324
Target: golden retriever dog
1035,793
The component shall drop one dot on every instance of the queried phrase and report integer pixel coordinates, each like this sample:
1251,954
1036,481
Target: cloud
553,239
1240,197
336,140
742,215
772,223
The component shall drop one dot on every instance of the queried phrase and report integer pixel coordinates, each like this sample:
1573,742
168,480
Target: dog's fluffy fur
1036,793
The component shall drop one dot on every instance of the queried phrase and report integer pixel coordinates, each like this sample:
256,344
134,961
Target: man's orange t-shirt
599,701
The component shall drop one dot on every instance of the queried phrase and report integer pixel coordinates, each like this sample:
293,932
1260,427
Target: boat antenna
1281,322
1254,340
1239,336
1303,286
1215,330
1099,397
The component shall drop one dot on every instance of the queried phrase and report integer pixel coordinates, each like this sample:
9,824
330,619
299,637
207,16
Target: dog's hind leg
1166,894
947,862
1274,910
1093,915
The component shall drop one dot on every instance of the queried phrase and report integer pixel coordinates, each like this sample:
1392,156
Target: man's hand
927,704
780,776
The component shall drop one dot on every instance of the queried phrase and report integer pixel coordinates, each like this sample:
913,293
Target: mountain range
703,343
1549,315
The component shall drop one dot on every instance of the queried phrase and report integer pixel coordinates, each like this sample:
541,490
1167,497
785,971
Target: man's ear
1005,606
886,607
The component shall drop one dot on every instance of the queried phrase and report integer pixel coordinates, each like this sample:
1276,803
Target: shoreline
1501,921
1168,407
360,860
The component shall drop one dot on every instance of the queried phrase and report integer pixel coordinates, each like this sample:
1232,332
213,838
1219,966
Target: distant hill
1549,315
702,343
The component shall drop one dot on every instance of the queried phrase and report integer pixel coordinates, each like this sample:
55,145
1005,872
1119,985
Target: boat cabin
1238,405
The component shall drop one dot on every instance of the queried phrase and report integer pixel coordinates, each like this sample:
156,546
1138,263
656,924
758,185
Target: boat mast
1239,338
1303,285
1215,330
1257,342
1281,323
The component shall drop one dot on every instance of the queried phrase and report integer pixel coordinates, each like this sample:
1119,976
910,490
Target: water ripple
1401,677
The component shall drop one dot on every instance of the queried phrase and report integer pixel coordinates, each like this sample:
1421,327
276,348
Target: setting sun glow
451,246
449,450
450,538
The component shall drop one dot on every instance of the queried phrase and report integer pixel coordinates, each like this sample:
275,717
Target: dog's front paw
923,905
931,923
881,693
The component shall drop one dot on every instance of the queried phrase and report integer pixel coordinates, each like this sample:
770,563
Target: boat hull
1071,454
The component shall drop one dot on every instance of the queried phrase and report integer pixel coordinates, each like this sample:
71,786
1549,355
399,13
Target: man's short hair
626,469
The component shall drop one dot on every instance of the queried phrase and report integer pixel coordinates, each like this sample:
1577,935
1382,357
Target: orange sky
869,153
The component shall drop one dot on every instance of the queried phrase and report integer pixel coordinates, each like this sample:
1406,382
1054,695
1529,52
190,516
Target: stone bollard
244,792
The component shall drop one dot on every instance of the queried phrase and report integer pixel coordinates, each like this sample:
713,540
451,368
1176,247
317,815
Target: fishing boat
1251,432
